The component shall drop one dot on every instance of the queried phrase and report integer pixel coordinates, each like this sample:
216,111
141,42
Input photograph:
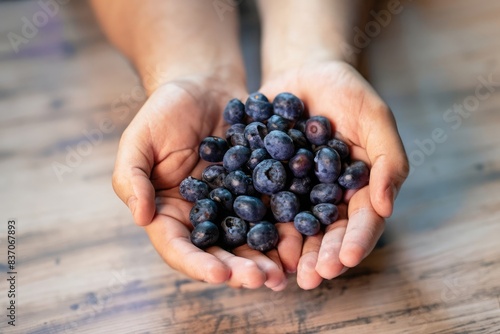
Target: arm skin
303,53
191,65
177,38
297,32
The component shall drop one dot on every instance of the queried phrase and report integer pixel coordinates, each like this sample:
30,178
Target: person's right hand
157,151
359,117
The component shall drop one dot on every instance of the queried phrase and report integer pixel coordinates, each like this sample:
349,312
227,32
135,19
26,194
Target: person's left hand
157,151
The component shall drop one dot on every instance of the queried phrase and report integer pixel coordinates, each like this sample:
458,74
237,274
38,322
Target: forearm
297,32
166,40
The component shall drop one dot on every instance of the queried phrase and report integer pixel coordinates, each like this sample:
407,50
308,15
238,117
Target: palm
183,116
336,91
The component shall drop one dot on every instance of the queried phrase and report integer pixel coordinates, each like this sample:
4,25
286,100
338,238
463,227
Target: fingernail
291,271
344,270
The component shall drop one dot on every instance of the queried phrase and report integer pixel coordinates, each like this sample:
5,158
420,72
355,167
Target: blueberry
318,130
263,236
235,135
327,165
212,149
300,186
301,125
269,177
299,139
214,176
284,205
276,122
306,223
223,197
355,176
238,183
233,232
193,189
254,134
203,210
258,107
249,208
339,146
326,213
205,235
279,145
288,106
236,157
234,112
256,157
326,193
301,163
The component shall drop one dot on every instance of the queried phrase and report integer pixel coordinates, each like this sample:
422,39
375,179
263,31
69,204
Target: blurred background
83,266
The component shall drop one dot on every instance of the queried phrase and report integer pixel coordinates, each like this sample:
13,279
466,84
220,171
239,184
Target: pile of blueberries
275,165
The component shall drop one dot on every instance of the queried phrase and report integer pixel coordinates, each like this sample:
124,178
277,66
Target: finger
289,246
348,193
171,240
307,277
329,265
131,180
364,228
245,273
269,263
388,160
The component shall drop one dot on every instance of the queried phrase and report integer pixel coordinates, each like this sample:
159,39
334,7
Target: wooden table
83,267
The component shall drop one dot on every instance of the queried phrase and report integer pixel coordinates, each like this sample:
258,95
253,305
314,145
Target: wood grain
85,268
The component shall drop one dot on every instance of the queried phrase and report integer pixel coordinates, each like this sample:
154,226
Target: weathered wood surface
83,267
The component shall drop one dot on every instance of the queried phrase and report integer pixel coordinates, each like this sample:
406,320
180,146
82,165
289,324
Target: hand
360,118
157,151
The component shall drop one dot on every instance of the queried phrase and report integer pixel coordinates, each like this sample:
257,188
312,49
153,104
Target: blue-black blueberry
284,205
263,236
288,106
203,210
205,234
234,112
355,176
306,223
212,149
192,189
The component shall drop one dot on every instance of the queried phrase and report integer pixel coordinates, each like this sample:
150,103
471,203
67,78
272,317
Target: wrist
296,59
298,33
171,40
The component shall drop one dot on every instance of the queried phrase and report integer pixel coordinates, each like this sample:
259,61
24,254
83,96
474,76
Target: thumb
131,180
389,162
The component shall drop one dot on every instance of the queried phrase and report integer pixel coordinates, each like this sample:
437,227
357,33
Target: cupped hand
361,119
157,151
